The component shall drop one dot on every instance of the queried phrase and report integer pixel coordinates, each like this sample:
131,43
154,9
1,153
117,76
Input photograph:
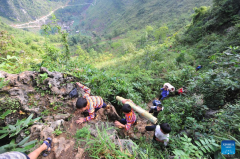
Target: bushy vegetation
136,66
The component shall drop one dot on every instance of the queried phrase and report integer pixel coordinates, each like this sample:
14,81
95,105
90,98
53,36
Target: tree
217,3
149,29
161,33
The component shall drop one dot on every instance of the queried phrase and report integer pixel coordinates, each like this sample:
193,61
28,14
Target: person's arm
162,89
90,117
150,128
154,107
128,126
167,92
166,141
85,89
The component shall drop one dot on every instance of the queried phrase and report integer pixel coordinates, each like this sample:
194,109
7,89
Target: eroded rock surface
46,94
61,145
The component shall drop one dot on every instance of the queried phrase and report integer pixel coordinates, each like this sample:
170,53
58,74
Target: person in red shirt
130,117
181,91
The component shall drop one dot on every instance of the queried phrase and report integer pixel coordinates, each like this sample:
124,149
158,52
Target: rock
99,125
111,113
36,131
3,74
124,144
46,132
20,136
11,119
61,145
210,113
48,118
138,136
80,153
27,77
22,88
141,129
61,116
56,124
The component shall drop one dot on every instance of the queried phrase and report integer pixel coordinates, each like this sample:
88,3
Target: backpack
73,93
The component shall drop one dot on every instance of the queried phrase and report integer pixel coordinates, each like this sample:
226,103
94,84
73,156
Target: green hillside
107,16
133,48
27,10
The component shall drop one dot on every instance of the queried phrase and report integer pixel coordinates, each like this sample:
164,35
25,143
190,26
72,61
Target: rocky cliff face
46,94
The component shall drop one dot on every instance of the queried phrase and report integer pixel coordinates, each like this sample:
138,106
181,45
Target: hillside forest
129,49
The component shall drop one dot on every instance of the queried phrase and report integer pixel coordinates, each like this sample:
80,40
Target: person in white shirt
161,132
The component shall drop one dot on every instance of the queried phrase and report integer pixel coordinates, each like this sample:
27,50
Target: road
38,22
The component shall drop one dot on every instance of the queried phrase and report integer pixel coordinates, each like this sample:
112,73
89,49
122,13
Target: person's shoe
48,142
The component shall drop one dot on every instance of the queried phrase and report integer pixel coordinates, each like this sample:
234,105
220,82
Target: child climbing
90,103
198,67
181,91
161,132
165,92
156,108
130,117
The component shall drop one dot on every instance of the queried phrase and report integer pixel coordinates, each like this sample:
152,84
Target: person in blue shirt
198,67
156,108
165,93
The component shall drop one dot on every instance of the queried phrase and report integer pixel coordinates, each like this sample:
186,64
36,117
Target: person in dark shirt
198,67
156,108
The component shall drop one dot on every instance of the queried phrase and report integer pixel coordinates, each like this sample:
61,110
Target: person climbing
198,67
181,91
90,103
130,117
165,93
156,108
45,148
161,132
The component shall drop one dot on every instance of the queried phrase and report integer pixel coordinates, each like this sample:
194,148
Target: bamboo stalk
138,109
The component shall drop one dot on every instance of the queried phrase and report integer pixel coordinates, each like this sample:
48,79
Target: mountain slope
108,15
26,10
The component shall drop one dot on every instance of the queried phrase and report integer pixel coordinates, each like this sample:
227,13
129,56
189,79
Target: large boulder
61,145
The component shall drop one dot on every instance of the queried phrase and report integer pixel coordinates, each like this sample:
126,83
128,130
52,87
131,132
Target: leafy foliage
5,114
13,130
57,131
82,133
3,82
22,146
189,150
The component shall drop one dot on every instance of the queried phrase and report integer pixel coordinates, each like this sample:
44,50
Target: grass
103,145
